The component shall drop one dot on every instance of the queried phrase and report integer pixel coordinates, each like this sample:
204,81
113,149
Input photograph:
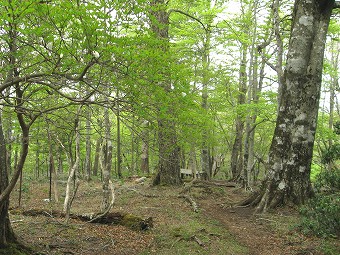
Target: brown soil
269,234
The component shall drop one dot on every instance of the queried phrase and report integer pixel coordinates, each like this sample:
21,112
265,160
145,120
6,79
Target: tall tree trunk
72,178
291,151
169,157
119,147
53,173
97,156
106,161
205,153
236,161
145,148
88,146
6,231
334,85
249,158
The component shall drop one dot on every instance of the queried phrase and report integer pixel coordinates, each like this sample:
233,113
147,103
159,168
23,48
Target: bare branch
20,79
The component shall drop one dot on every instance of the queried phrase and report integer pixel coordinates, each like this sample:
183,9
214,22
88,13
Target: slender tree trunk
236,162
119,147
106,161
72,178
97,156
60,161
88,146
145,148
52,170
37,160
133,145
205,153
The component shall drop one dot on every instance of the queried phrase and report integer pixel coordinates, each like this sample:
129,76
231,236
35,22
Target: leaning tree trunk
291,151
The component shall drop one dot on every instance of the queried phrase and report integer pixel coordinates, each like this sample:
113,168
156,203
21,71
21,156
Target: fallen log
116,218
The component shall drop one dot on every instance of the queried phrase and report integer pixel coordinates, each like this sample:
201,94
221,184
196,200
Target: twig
197,240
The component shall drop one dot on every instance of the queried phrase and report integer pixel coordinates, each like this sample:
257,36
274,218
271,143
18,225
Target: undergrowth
321,215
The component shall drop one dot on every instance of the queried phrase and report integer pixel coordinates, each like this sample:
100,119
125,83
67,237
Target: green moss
15,249
131,221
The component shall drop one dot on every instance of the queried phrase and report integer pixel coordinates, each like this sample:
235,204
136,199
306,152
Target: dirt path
255,233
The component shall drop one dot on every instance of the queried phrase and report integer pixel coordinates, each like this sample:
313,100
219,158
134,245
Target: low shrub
321,215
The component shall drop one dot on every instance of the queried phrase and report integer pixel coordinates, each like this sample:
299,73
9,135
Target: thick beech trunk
291,151
169,156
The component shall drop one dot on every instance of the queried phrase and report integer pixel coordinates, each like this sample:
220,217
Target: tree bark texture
145,149
88,145
72,174
6,232
236,161
106,161
291,151
169,153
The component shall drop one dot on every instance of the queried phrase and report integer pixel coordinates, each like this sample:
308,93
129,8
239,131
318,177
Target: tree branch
188,15
20,79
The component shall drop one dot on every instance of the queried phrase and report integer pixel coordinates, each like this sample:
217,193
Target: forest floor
217,227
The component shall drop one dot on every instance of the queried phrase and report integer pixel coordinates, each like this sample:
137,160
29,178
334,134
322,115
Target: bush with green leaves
321,215
328,181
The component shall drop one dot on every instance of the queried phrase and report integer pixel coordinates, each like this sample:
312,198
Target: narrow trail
254,232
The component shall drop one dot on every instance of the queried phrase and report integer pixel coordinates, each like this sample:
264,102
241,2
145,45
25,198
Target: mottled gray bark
291,151
106,161
145,149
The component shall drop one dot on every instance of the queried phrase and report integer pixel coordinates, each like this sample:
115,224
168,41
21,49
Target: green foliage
321,215
315,171
337,127
328,181
331,154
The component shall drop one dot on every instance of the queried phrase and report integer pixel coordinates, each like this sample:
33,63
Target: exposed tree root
202,183
128,220
191,201
264,200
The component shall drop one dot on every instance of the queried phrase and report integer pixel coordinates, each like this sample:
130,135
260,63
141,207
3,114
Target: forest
169,127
